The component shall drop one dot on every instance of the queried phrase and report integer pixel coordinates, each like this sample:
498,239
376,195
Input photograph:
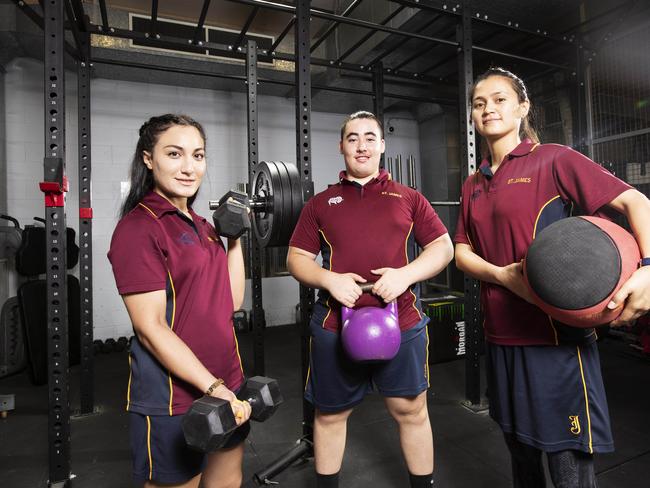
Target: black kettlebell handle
367,287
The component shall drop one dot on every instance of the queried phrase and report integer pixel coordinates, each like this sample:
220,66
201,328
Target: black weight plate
284,232
296,193
296,203
267,186
262,221
277,183
280,188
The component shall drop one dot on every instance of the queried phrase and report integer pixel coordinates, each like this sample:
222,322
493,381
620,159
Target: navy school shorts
159,451
550,397
336,383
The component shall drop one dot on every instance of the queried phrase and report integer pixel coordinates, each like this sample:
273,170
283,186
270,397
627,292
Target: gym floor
469,448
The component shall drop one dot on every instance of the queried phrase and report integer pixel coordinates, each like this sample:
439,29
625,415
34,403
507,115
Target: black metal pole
580,97
282,35
199,31
303,156
468,154
589,108
85,231
258,319
244,30
54,186
104,12
378,96
303,447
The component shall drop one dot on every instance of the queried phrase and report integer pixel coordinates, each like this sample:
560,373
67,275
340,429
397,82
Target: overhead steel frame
422,5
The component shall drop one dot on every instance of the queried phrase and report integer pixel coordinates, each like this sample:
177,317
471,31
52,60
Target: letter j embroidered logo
575,424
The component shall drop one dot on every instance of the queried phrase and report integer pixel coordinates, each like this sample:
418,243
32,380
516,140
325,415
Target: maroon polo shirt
501,213
357,228
156,247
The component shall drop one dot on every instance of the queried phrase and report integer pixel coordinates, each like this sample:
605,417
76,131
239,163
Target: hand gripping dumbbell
231,218
209,422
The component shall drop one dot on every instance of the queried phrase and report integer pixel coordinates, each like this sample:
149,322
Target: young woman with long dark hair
180,286
544,381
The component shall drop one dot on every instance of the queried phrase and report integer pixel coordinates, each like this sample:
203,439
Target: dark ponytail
141,177
526,130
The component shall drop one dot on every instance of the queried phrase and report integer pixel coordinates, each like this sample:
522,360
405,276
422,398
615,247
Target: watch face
645,262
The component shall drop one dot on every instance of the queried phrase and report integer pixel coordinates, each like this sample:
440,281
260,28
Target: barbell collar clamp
257,204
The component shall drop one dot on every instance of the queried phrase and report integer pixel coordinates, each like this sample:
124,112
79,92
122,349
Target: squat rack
55,182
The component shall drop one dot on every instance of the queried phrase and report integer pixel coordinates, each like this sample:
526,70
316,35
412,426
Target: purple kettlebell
371,333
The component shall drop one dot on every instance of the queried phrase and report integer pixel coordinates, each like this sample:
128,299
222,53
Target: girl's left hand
634,296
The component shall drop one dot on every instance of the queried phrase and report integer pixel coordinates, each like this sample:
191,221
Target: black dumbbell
209,422
263,395
240,321
120,344
231,218
97,346
108,346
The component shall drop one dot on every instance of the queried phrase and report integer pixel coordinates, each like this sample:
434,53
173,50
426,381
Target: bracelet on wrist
214,386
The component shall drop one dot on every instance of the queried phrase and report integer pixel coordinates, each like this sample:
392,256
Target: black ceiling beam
244,30
476,16
523,58
397,45
454,56
334,25
368,35
242,78
282,35
169,42
102,9
154,16
201,23
345,20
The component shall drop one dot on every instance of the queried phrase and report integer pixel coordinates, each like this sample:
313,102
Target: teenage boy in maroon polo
165,236
528,194
364,227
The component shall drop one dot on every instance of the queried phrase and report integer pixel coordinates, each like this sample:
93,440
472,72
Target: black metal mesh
573,264
621,107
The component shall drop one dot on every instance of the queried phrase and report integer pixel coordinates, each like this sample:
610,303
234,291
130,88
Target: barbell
275,202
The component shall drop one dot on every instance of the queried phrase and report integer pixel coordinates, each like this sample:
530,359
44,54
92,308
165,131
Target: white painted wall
118,108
